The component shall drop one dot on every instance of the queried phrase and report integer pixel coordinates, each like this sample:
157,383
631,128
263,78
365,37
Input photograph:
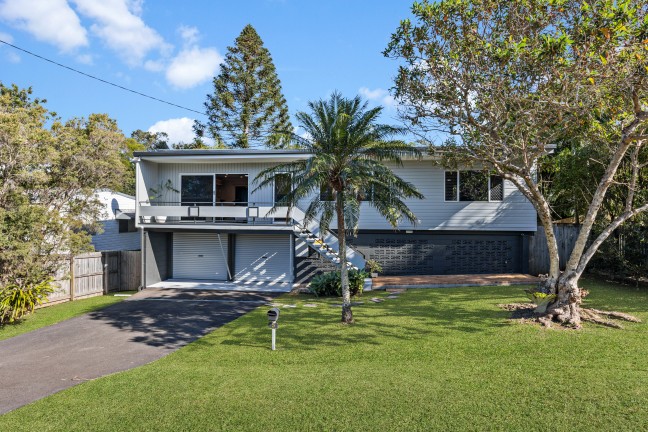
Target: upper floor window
282,187
326,193
126,225
473,186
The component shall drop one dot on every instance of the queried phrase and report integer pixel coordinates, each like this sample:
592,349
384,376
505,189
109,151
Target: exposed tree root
618,315
564,315
590,316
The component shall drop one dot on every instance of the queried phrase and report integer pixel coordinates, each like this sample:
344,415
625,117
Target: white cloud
51,21
12,57
180,130
117,23
189,35
6,37
86,59
154,65
378,95
136,6
193,66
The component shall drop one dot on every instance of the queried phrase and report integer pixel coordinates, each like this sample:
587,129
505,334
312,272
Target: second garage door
263,257
199,256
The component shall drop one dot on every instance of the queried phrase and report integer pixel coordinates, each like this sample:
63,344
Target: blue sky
171,49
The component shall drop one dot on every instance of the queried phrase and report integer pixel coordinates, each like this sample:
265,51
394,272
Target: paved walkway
144,328
446,281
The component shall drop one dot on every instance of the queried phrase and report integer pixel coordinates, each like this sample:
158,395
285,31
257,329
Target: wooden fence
566,235
96,273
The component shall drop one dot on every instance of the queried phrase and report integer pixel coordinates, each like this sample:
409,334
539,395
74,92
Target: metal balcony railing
156,212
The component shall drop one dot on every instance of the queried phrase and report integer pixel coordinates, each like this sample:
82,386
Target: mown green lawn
435,359
52,314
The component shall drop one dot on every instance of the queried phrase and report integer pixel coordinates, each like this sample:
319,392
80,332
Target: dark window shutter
451,186
497,188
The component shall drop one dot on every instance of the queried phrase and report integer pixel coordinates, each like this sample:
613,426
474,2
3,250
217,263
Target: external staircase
325,243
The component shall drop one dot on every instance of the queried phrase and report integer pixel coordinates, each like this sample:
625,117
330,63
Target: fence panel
89,273
111,259
130,264
61,285
566,235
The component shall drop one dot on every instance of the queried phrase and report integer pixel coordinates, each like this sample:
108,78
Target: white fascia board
228,158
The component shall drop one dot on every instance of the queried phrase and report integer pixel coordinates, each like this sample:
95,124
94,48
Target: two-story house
203,219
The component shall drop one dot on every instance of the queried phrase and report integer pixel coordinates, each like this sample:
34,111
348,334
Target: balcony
228,213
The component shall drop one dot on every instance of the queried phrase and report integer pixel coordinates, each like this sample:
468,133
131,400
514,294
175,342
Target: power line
101,80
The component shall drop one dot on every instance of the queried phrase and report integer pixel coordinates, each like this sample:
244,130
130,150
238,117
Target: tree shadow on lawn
614,296
169,324
376,323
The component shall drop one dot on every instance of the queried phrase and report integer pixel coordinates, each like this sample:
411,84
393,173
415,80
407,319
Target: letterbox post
273,317
274,338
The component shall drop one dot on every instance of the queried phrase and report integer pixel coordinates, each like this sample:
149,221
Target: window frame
458,194
130,226
274,185
192,203
324,200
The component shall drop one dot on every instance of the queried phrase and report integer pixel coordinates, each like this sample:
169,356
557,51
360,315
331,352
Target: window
473,186
282,187
126,225
367,194
496,188
451,183
326,193
197,190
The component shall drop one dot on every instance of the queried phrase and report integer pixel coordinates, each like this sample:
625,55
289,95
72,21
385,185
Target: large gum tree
508,81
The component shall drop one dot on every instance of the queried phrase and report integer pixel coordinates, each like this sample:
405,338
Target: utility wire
102,80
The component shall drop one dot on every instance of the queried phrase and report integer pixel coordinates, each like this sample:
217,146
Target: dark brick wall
443,253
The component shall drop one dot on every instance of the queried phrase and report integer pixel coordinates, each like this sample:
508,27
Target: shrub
330,284
625,253
17,301
373,266
540,299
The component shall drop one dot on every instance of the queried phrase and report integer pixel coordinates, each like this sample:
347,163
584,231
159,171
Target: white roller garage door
199,256
263,257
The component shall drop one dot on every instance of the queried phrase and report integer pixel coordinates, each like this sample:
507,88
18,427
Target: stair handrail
329,231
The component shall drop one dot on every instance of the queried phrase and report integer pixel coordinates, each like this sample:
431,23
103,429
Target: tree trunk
566,308
347,314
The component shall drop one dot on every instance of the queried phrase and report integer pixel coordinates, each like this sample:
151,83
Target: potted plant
373,267
158,192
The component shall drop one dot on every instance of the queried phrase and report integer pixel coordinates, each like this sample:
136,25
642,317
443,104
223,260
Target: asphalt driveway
144,328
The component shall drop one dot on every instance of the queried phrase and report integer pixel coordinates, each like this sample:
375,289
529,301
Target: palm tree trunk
347,314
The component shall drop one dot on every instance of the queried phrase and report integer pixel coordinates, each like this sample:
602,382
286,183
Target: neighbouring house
207,222
118,222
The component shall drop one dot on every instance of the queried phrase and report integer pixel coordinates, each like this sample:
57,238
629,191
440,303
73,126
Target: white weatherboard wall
263,257
111,239
199,256
514,213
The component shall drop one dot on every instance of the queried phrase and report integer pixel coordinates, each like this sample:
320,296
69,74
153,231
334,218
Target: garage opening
263,257
200,256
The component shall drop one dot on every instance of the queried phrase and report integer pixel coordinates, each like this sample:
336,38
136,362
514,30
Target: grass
438,359
52,314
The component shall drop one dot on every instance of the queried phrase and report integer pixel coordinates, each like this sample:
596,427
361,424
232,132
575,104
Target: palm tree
348,150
